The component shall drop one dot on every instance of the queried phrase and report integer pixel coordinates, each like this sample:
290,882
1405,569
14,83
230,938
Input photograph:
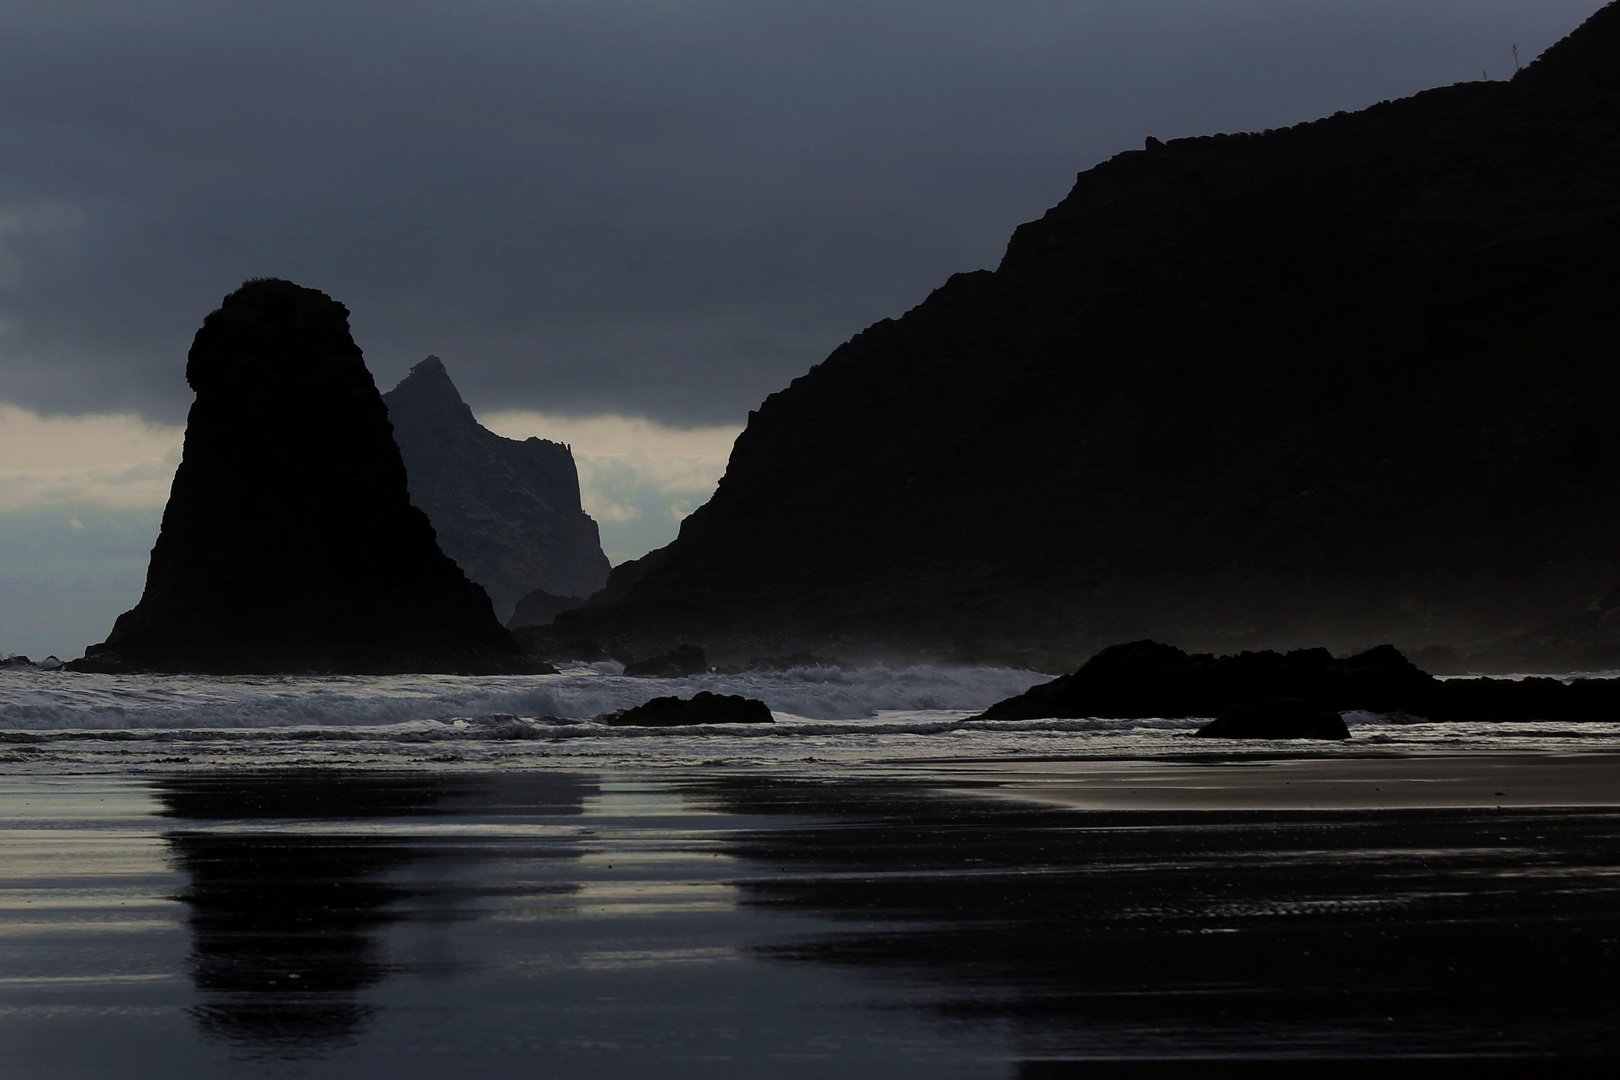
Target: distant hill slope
1341,383
507,511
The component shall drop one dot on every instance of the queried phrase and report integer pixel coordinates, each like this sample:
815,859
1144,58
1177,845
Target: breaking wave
826,719
499,727
46,701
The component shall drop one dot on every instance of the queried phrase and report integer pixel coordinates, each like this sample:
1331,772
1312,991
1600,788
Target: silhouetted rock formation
1589,641
507,511
1346,382
1147,678
1151,679
1289,718
289,542
676,664
704,708
539,608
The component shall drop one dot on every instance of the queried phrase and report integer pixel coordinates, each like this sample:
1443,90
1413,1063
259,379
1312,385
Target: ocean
825,717
428,875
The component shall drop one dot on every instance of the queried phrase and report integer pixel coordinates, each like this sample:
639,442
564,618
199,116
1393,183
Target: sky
622,223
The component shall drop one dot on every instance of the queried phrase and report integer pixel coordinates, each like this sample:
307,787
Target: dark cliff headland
289,542
1342,383
507,511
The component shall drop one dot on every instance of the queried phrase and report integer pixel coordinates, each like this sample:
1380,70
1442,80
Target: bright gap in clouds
81,499
637,478
118,461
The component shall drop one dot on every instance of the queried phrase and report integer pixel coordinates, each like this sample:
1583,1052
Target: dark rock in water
704,708
1289,718
539,608
289,542
683,661
507,511
1522,699
1147,678
17,660
1347,381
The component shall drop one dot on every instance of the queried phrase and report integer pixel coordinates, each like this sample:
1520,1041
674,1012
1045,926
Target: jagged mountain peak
507,511
428,389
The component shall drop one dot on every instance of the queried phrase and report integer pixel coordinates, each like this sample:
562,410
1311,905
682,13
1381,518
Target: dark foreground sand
1367,917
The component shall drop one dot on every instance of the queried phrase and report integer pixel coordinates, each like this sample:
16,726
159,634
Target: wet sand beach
1000,919
1296,781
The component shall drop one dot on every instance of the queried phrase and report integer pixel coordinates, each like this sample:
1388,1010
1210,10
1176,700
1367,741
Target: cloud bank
117,461
630,207
638,478
81,500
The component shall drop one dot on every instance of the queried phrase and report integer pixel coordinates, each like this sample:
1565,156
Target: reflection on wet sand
288,896
284,934
1192,937
567,925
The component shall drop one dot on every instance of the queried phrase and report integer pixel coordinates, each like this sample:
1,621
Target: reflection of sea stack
289,542
288,923
507,511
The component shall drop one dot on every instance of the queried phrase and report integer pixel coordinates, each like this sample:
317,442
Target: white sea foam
825,719
33,700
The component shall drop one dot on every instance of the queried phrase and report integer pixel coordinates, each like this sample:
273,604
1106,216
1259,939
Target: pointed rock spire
507,511
289,542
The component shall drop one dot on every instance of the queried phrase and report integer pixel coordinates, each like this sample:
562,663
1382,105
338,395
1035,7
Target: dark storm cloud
645,206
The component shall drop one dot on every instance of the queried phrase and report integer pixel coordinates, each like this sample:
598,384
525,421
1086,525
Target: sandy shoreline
1245,906
1433,780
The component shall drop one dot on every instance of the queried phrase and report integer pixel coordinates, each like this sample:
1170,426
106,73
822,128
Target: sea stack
289,542
507,511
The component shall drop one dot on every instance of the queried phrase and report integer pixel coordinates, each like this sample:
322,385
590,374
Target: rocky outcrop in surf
507,511
17,660
1345,382
1288,695
1150,678
702,708
676,664
289,542
1289,718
